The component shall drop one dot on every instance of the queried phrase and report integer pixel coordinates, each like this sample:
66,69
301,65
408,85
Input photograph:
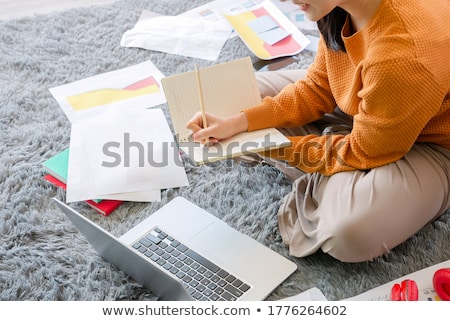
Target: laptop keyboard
204,280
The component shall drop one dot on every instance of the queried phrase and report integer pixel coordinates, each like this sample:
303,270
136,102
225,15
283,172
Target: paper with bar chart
266,31
138,86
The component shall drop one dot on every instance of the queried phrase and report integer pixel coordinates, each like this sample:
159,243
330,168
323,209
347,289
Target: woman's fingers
195,123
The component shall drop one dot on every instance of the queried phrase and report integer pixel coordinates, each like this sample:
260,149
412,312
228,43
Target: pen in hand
202,104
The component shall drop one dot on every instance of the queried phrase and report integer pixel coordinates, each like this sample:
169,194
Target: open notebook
225,89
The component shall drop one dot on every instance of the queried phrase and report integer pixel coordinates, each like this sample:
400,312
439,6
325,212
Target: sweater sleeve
297,104
397,101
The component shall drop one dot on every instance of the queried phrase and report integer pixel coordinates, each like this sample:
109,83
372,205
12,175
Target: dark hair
331,26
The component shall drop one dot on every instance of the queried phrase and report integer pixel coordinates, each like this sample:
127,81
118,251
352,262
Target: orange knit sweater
394,80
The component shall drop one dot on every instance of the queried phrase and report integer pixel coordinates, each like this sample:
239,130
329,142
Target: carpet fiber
42,256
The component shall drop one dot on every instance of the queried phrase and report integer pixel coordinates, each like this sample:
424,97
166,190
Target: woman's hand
218,128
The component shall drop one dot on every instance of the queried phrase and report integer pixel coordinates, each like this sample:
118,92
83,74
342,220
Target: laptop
182,252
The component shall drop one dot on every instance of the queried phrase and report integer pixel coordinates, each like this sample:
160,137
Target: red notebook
104,207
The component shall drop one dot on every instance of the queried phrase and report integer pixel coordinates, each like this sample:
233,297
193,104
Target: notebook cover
104,207
58,167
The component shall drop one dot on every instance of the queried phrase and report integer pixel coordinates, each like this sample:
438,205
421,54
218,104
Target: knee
354,244
270,83
266,85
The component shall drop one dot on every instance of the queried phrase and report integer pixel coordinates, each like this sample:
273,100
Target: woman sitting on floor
371,172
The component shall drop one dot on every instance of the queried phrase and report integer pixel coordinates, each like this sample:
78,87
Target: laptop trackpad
218,240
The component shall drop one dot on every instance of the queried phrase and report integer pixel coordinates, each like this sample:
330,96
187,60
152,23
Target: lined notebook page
227,89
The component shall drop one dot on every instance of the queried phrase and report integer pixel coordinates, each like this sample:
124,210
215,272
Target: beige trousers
359,215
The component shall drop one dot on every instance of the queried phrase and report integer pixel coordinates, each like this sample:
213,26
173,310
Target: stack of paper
57,168
182,35
123,155
120,149
202,32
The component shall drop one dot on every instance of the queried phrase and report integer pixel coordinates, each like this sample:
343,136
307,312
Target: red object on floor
441,283
405,291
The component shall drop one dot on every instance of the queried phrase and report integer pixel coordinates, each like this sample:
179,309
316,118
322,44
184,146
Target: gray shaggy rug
42,256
